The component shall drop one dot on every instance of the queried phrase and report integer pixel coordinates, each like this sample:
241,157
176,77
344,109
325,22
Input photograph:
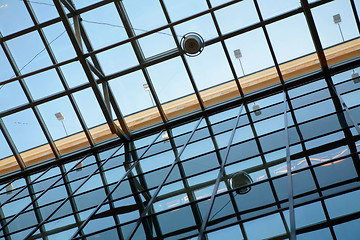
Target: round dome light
240,179
192,44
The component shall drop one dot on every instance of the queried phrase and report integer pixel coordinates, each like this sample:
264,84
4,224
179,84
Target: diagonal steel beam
86,67
12,145
60,74
139,55
122,179
97,70
27,93
72,193
219,177
155,194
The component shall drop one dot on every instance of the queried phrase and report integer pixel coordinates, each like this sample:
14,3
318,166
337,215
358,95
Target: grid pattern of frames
147,139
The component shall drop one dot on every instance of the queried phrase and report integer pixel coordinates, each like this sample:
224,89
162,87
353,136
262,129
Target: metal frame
138,184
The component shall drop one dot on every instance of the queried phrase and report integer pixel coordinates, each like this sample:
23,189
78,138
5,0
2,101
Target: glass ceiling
91,61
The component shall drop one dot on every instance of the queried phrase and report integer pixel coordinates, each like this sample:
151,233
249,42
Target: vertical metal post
289,175
221,172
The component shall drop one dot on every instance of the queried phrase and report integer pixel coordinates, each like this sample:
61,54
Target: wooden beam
187,104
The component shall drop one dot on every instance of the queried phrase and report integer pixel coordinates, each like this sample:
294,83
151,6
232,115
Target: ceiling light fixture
337,20
192,44
239,181
238,55
355,76
9,188
61,118
146,87
256,109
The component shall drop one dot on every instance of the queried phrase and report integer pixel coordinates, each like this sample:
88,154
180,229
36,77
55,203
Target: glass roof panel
210,69
202,25
130,93
10,22
170,80
89,107
59,42
237,16
103,26
254,49
181,9
60,128
157,43
5,150
141,18
74,74
49,81
117,59
44,10
274,8
11,95
32,58
23,126
6,72
331,33
290,38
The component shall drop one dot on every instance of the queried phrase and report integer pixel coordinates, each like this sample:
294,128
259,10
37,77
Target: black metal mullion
336,98
69,193
287,98
227,184
134,185
2,222
100,73
222,41
247,109
112,191
332,90
288,161
85,65
60,74
35,206
107,190
190,194
289,174
30,99
219,177
12,145
352,3
192,80
73,192
153,198
140,56
35,199
142,185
